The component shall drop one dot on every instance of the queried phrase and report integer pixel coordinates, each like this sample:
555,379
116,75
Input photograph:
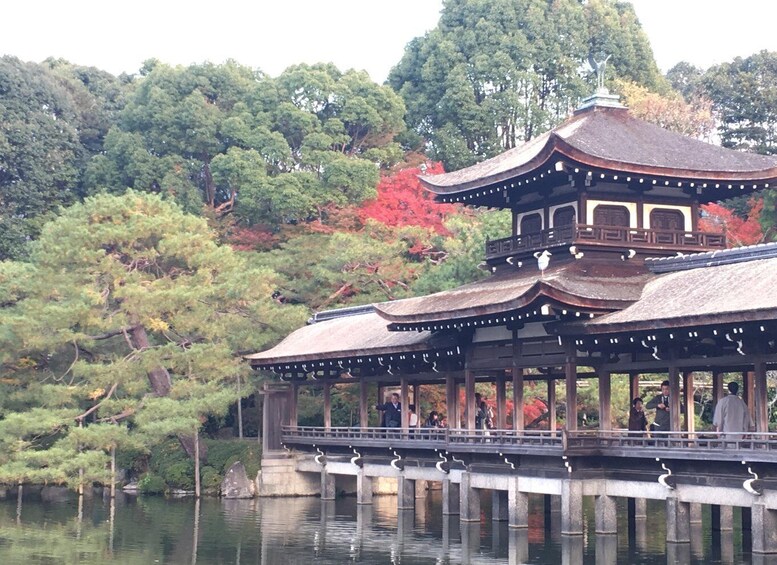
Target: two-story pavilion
605,272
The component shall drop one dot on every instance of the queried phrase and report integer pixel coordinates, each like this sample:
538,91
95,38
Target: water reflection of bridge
333,531
683,469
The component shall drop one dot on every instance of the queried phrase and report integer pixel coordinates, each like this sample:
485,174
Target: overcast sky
364,34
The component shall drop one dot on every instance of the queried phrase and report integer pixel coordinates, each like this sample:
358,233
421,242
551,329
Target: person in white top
732,415
413,419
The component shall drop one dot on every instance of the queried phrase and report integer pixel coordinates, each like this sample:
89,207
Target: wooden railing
427,438
693,445
616,443
606,235
563,235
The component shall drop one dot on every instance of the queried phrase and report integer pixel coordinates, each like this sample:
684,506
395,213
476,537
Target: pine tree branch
81,417
110,334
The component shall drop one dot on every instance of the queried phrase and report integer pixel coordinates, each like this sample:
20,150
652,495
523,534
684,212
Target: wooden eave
577,146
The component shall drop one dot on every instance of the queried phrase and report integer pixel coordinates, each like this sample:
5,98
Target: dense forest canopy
495,74
155,226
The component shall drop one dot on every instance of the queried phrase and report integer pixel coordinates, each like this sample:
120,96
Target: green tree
744,97
272,151
125,327
462,251
744,101
496,73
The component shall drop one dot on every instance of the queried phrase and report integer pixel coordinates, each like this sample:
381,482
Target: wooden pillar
761,407
674,398
451,398
605,400
688,386
404,396
364,415
501,402
633,387
327,405
469,399
717,387
570,374
518,422
552,405
293,397
416,392
748,392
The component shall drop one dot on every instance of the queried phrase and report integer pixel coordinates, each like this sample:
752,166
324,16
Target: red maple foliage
254,238
739,231
402,201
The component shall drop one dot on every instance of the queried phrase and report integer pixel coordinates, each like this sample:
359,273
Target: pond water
52,528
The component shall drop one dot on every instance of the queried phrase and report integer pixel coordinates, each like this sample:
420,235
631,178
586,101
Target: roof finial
602,96
599,68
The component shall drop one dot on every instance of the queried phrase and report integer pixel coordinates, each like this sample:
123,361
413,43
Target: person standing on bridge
392,412
732,415
637,420
662,421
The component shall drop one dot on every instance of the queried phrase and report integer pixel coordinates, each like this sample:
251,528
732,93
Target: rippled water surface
51,528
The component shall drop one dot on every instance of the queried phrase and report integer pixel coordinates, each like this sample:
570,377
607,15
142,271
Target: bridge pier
328,488
405,493
678,521
606,515
722,518
363,488
518,549
469,499
450,498
571,550
518,505
499,506
695,513
571,507
764,529
606,549
420,488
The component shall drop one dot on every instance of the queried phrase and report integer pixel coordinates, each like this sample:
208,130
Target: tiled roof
722,293
352,335
610,138
583,283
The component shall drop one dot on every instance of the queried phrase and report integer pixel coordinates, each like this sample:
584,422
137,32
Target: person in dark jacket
662,422
392,412
637,419
433,421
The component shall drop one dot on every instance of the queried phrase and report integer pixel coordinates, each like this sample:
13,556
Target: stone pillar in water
405,493
450,498
764,529
363,488
328,490
571,507
695,513
469,499
499,506
606,515
678,521
722,518
518,504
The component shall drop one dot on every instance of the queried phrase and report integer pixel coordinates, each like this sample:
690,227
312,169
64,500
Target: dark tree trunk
160,381
158,377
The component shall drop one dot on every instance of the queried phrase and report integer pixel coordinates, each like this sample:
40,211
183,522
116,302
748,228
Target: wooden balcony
637,238
705,446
